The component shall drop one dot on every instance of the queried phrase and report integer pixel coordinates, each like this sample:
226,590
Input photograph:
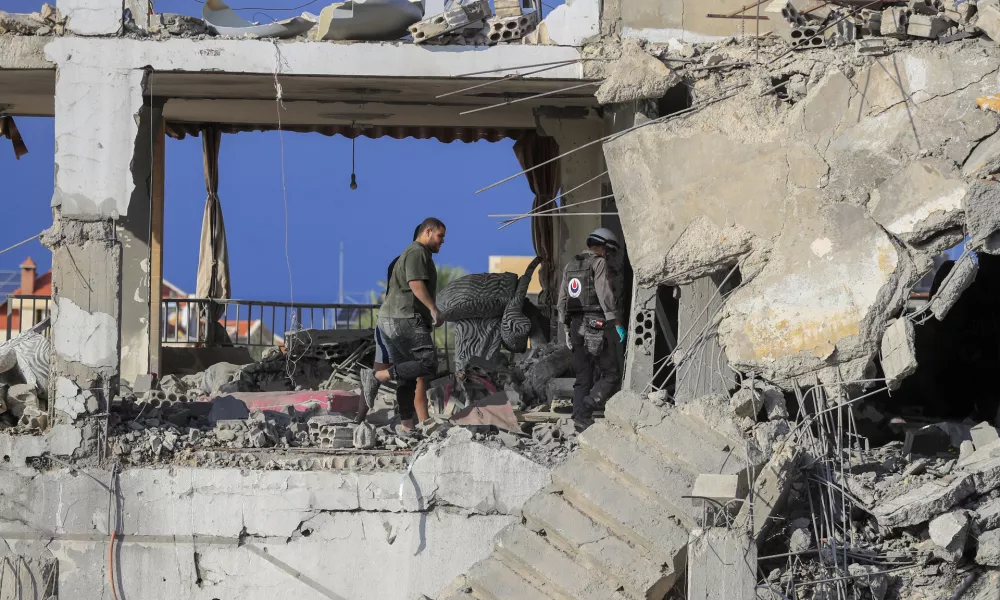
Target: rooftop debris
367,20
226,22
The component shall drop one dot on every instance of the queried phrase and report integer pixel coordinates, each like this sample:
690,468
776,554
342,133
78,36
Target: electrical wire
34,237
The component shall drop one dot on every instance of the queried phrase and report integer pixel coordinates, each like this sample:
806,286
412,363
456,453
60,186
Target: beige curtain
213,255
532,149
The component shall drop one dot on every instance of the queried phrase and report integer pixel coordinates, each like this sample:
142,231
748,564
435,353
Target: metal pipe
541,95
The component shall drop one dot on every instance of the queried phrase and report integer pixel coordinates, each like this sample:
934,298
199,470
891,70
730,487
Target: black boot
583,414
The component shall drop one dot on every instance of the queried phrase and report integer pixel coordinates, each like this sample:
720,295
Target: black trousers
596,366
411,350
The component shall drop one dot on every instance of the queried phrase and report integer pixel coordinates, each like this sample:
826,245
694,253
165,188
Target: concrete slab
636,519
925,502
531,556
984,434
574,532
643,467
492,580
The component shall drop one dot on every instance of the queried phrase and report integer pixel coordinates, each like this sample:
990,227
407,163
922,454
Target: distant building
517,264
30,303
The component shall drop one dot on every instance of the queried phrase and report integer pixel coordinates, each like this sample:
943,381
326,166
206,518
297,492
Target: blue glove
621,334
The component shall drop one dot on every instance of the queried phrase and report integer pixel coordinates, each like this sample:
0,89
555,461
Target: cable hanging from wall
354,178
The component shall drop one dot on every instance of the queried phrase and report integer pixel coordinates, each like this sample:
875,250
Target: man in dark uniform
587,309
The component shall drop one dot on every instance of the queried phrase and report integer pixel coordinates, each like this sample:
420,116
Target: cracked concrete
459,495
832,206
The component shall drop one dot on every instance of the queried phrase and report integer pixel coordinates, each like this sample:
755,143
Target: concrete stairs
613,525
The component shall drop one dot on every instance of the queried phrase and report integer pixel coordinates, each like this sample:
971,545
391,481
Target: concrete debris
800,540
868,578
367,20
509,29
720,488
364,436
19,24
463,16
182,25
949,533
961,276
928,27
636,76
772,142
966,449
988,550
988,18
227,23
722,564
899,352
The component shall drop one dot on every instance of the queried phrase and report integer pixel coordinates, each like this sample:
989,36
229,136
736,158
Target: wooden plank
156,242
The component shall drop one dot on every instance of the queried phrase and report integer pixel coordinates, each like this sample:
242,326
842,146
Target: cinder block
780,18
870,47
450,20
928,27
508,29
895,21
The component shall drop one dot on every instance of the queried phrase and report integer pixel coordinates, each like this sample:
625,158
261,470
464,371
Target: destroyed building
794,421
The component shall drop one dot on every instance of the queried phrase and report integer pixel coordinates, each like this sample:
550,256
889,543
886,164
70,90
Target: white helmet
602,236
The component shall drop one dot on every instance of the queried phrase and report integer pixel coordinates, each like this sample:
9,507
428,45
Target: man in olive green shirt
408,315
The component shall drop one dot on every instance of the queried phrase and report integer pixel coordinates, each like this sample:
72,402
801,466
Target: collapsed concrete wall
831,199
225,533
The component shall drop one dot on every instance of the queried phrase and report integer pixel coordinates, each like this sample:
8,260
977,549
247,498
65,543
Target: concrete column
641,339
571,231
705,369
98,113
93,17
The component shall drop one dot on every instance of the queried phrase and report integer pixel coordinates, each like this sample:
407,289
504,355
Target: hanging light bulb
354,178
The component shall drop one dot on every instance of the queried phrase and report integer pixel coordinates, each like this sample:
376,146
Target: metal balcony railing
257,324
24,311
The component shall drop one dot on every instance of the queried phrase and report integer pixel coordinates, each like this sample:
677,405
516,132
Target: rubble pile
868,25
184,433
917,517
47,21
180,421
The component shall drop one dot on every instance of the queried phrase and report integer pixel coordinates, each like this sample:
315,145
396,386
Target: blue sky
400,183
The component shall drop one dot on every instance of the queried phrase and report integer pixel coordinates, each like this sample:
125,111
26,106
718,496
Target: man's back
414,264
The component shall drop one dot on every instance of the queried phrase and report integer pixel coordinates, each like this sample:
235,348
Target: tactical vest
578,277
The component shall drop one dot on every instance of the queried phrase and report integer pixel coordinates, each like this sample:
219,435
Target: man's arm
419,288
605,295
